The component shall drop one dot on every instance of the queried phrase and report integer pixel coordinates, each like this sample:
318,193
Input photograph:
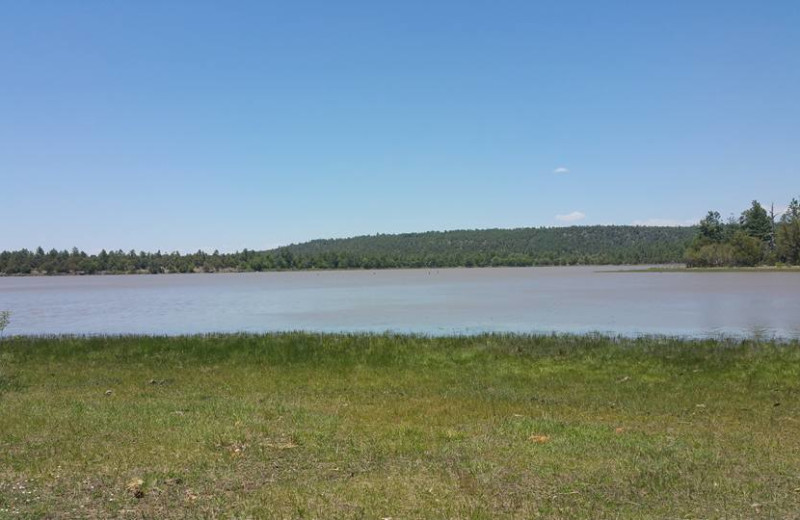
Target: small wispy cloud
561,170
668,222
571,217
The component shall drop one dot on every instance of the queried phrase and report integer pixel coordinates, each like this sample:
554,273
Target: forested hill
496,247
467,248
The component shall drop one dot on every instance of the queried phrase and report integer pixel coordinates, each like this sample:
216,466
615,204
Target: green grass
365,426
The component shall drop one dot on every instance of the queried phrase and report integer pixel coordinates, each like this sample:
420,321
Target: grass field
337,426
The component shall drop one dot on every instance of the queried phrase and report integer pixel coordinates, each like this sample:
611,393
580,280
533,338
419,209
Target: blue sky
223,125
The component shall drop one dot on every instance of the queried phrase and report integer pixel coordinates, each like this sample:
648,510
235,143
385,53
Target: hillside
494,247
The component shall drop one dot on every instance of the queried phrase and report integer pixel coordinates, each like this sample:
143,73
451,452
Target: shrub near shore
326,426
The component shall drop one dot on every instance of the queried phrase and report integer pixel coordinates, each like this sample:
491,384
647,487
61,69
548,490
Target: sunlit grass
309,426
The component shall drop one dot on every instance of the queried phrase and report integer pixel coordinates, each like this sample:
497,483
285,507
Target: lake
436,301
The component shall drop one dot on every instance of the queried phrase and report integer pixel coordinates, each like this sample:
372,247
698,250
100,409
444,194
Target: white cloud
571,217
664,222
561,170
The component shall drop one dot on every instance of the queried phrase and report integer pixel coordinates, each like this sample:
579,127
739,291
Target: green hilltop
496,247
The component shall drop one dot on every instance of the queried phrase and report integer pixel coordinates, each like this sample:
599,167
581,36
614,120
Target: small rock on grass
136,487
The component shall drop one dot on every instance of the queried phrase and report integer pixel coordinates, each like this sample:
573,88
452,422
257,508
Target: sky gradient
227,125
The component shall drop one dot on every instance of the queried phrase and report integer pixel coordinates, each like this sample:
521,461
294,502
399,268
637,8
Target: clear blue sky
180,125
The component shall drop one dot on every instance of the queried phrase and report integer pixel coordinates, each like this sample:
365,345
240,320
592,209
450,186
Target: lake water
443,301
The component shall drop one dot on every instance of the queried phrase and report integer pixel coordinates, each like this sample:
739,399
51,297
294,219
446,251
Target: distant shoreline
627,268
761,269
678,267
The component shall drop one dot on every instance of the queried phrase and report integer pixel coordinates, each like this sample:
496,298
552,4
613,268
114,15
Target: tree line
755,238
75,261
575,245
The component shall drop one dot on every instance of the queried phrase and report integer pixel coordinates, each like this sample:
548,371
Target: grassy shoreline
300,425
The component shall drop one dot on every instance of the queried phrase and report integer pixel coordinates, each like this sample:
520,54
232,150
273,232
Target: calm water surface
444,301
